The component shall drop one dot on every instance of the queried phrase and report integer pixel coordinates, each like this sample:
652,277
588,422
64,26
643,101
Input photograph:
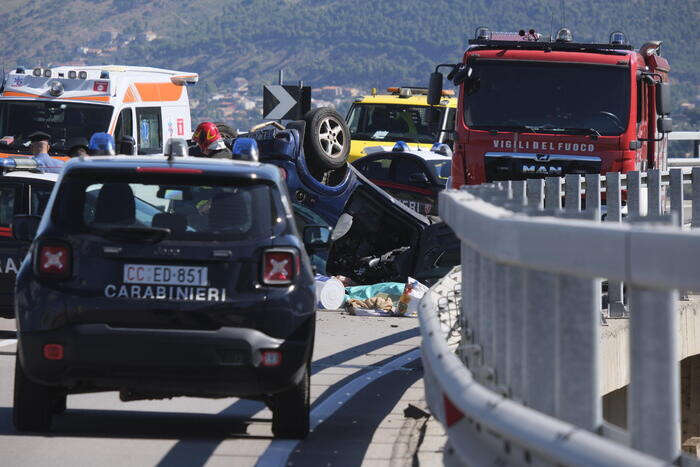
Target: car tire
33,403
327,139
290,410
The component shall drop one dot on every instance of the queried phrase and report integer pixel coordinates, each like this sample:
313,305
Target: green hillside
360,43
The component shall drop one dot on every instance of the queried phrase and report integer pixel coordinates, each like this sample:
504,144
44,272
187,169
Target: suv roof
236,168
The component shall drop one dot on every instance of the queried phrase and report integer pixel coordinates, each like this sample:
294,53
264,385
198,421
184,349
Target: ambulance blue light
400,146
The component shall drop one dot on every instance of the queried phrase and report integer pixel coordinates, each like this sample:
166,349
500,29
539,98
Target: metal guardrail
524,385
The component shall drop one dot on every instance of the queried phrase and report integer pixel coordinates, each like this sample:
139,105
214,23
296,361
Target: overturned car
375,237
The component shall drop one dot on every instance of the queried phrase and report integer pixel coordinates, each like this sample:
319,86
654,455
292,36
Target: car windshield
548,97
391,122
202,209
61,120
441,169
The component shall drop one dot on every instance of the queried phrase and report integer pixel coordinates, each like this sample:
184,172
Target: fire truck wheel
327,140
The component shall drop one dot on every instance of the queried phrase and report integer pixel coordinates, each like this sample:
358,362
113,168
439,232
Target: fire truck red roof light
53,352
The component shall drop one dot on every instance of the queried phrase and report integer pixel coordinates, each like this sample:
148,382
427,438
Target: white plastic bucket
330,293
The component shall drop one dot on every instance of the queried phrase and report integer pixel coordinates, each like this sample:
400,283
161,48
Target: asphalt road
362,366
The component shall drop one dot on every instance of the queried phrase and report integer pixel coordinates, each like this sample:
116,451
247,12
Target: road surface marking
278,451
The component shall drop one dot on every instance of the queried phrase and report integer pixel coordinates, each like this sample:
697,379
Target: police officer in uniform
40,150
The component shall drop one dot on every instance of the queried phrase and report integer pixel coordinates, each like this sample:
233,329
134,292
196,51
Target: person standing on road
209,139
40,151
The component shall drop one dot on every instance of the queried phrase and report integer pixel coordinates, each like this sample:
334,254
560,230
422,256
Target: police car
160,277
415,177
24,189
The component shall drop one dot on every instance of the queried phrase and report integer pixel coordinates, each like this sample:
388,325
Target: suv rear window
193,208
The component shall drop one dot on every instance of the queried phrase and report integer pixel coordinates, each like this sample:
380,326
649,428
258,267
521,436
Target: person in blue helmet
101,144
40,153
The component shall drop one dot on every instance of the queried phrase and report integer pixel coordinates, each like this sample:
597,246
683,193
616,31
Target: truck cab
400,115
533,108
149,105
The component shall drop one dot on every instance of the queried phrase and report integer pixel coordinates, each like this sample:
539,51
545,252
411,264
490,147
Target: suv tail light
54,261
280,266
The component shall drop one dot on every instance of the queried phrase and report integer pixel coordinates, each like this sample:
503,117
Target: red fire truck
530,107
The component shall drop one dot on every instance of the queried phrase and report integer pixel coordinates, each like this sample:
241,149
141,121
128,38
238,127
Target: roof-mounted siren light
82,74
72,74
564,35
104,74
400,146
55,88
482,33
185,80
38,72
405,92
20,70
47,73
618,38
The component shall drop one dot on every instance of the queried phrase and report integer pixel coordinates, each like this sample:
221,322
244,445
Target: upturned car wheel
327,141
290,410
33,403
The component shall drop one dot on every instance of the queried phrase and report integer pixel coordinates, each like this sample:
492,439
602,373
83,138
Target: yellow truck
380,120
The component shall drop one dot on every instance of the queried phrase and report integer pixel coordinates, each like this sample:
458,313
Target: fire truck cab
149,105
532,108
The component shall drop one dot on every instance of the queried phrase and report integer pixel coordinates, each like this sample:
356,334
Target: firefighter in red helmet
210,141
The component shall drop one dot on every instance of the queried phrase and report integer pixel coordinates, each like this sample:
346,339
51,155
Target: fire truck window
125,125
149,129
641,90
404,168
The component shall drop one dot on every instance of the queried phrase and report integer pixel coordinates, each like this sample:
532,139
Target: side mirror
432,115
245,149
127,145
418,177
663,98
435,88
461,75
176,147
316,237
24,227
664,124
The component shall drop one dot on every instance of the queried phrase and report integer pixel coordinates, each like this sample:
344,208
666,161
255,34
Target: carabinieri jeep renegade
160,277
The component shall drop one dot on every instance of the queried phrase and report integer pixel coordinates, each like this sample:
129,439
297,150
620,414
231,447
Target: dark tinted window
201,208
9,195
549,95
390,122
403,168
61,120
376,169
125,125
40,197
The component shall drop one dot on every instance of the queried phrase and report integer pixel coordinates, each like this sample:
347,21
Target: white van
149,104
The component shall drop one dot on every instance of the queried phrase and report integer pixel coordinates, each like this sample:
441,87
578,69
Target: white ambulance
149,104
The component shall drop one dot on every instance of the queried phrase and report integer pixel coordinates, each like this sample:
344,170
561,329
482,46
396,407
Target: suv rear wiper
133,233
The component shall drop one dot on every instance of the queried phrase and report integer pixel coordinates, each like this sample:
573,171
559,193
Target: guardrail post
616,305
535,193
593,196
654,418
552,199
654,192
519,192
572,193
634,195
578,315
695,221
500,340
676,189
515,329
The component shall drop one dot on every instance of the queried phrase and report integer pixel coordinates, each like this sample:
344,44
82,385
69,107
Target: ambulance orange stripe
4,155
82,98
129,96
154,92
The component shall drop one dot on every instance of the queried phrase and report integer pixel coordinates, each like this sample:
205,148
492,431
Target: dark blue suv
164,277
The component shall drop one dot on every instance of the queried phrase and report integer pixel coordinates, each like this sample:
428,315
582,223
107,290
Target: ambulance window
125,125
149,128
